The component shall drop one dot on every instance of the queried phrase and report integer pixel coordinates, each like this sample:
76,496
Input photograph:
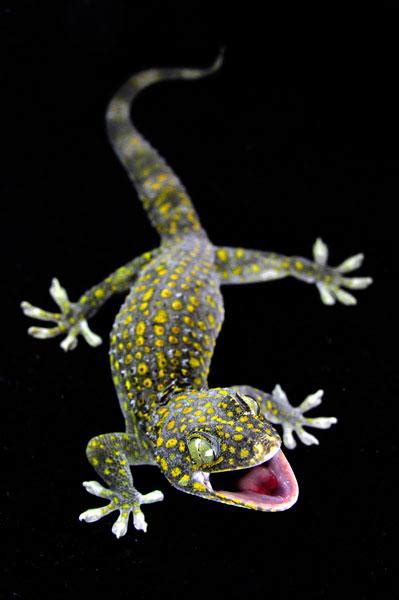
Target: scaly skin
162,343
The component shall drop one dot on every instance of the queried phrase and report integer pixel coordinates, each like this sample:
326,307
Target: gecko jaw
269,486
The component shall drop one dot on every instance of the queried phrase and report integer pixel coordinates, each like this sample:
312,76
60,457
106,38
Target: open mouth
270,486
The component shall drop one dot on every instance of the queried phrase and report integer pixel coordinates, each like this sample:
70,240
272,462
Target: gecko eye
247,402
201,449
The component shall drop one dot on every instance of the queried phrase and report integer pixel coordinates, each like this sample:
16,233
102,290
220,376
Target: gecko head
216,444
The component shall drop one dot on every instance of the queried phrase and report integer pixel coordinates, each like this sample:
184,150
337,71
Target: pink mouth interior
271,485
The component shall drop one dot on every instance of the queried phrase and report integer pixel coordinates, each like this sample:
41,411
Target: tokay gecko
217,443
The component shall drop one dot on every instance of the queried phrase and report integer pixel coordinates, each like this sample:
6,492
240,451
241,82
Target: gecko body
217,443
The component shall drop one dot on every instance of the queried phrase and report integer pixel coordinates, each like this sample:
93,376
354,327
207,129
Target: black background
296,137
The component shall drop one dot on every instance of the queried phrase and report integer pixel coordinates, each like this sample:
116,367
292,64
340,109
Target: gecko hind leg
110,455
68,321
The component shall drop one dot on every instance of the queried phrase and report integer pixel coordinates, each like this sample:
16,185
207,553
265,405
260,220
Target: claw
322,422
41,333
344,297
279,394
119,528
306,438
288,438
58,293
139,521
351,264
325,294
70,342
37,313
96,489
320,252
356,283
91,338
311,401
95,514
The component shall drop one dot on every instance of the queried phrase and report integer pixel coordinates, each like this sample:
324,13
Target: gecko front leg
276,408
111,454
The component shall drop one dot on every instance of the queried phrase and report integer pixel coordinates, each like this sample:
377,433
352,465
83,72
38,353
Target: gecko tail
164,198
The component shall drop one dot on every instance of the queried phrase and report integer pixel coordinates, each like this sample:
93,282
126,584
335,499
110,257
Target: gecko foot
332,281
67,321
295,421
120,503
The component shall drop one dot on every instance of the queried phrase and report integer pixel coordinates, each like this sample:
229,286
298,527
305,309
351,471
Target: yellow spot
211,319
166,293
159,329
173,339
171,424
161,316
159,343
142,368
200,487
165,208
139,340
159,442
239,253
244,453
99,293
298,265
171,443
140,328
128,359
194,362
222,254
176,472
177,305
184,480
164,464
147,382
148,295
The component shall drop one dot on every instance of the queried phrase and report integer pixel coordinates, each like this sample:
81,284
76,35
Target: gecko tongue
269,486
260,480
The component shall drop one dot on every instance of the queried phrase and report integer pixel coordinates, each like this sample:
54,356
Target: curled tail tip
219,60
198,73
